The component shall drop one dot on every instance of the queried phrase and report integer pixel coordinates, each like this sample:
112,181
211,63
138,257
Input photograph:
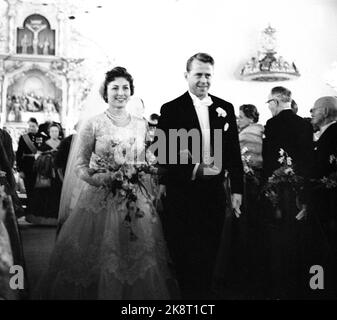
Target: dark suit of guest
194,211
61,157
295,136
324,200
8,146
25,162
13,206
284,234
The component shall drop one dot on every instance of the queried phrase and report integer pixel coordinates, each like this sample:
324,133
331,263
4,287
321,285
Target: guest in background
250,138
61,156
250,135
324,197
47,189
246,255
28,148
285,222
294,106
10,241
287,131
7,144
44,128
6,257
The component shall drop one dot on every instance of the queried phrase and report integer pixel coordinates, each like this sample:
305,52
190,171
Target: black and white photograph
168,151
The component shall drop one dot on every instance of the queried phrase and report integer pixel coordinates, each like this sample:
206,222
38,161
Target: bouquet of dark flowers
284,177
128,162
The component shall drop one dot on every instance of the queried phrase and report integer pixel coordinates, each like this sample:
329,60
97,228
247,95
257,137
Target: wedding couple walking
112,244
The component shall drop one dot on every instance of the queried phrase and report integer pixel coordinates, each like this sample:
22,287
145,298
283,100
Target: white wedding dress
94,256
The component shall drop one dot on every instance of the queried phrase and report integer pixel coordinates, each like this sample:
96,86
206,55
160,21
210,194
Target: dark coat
294,135
180,114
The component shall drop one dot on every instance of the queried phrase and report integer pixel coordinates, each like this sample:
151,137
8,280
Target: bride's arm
86,146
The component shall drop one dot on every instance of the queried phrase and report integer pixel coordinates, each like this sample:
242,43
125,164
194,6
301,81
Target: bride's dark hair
117,72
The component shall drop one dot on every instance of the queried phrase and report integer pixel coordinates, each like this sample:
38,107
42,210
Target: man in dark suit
194,207
287,131
324,200
28,147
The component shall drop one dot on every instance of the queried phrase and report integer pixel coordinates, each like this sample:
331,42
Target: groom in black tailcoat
193,186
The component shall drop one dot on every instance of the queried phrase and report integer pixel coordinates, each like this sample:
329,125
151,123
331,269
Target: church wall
155,38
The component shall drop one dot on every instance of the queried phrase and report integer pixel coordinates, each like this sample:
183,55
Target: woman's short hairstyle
117,72
250,111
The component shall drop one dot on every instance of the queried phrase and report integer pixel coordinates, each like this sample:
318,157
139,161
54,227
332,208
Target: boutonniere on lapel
222,113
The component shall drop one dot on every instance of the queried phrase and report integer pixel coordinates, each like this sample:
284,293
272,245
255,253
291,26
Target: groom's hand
206,172
236,204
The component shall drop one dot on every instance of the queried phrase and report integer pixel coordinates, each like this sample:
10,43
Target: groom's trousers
192,221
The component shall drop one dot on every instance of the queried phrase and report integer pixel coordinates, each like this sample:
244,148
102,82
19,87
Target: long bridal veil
72,185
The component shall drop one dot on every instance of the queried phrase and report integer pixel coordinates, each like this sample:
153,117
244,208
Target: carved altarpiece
38,76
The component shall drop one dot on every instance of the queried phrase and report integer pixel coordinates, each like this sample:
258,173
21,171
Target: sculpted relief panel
36,36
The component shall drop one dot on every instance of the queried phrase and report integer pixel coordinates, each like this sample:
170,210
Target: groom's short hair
201,56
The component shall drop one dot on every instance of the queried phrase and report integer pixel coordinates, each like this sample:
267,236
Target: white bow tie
206,102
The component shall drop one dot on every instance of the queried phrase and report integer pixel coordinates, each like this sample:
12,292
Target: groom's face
199,78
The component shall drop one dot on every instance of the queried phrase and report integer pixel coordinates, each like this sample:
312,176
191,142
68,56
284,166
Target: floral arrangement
128,162
284,176
248,170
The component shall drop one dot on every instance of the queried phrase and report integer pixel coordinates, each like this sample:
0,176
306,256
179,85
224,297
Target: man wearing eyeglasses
287,131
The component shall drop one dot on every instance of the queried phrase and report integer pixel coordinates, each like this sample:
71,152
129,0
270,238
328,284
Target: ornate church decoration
44,72
268,65
36,36
31,94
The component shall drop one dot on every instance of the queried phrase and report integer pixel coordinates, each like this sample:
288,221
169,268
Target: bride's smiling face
118,92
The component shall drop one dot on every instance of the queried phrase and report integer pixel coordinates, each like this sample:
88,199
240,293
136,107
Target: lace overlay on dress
94,248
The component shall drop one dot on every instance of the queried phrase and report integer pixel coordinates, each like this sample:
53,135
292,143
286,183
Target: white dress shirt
201,108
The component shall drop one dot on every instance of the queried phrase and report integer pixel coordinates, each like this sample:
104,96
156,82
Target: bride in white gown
96,256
